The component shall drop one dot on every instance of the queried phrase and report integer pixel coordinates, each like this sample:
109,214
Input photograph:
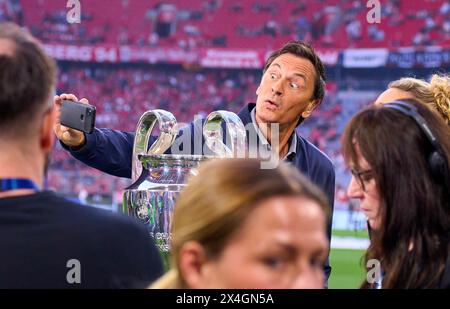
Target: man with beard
45,240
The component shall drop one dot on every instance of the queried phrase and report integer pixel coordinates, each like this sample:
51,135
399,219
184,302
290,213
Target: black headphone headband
411,111
436,160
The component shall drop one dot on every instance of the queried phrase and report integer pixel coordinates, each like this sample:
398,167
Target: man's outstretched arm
107,150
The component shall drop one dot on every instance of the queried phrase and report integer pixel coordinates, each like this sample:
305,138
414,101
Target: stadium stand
123,91
238,23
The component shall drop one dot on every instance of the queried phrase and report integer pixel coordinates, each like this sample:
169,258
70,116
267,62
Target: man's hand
69,137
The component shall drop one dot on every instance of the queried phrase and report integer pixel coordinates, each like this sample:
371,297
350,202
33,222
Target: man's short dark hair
27,78
303,50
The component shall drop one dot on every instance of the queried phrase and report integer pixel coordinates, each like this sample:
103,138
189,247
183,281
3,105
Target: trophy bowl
152,197
159,178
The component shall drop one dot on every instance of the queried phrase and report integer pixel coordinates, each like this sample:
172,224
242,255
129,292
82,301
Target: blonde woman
239,226
435,94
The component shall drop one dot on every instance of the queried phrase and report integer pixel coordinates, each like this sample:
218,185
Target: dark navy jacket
111,152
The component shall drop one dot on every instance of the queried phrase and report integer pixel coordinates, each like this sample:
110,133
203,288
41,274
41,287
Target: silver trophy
158,178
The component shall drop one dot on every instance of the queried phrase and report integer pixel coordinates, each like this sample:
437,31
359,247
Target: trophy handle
212,131
167,135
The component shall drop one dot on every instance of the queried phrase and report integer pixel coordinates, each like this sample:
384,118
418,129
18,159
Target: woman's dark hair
412,243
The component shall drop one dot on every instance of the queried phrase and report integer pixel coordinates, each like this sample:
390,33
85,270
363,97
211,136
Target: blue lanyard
9,184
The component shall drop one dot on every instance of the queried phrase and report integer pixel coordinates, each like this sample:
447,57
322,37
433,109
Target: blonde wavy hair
218,200
435,94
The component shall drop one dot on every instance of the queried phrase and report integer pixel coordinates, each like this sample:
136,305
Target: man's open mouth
270,104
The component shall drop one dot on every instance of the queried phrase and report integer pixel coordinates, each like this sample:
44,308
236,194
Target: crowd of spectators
11,10
237,23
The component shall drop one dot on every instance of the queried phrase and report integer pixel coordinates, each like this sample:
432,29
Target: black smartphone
78,116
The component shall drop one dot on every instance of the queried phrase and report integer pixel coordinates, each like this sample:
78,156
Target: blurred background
194,57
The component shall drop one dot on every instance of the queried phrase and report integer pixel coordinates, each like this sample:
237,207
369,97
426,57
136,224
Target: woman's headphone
436,159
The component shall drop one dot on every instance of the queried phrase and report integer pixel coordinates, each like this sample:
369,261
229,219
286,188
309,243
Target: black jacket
47,241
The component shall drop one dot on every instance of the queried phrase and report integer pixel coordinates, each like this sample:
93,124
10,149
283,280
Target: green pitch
347,271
